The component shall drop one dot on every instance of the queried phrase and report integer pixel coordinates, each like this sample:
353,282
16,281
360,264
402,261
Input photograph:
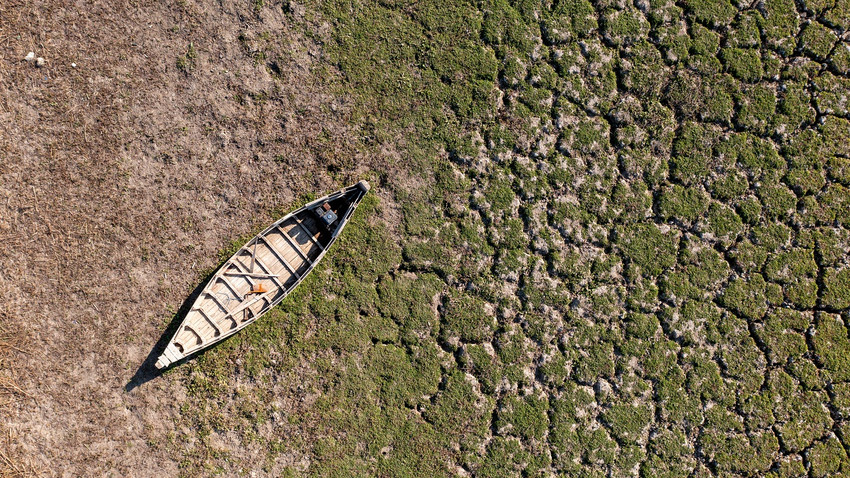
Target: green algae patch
648,247
744,64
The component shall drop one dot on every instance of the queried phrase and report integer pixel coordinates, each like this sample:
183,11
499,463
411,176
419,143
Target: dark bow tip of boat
364,185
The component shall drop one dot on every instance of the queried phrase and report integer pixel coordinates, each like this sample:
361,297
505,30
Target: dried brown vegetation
13,464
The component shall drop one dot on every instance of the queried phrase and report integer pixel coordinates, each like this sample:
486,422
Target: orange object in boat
258,289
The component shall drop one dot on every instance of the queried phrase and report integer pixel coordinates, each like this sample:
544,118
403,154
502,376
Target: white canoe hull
264,271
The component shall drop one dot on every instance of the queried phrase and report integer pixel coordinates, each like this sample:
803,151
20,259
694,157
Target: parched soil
607,238
151,138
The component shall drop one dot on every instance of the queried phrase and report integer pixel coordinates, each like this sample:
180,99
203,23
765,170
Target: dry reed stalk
10,465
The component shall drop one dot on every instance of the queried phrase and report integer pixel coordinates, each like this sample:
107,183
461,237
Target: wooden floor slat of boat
279,256
267,263
307,226
242,281
234,290
241,263
253,311
314,247
217,329
297,239
209,307
220,301
294,259
310,224
276,286
171,355
193,338
211,317
271,264
202,328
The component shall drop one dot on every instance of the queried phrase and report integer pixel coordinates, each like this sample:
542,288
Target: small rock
30,56
39,62
73,65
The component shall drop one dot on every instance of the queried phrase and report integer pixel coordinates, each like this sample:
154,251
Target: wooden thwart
255,275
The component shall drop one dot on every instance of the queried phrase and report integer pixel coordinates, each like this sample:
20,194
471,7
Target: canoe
264,271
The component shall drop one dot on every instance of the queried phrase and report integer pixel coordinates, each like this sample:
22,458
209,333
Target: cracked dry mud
607,238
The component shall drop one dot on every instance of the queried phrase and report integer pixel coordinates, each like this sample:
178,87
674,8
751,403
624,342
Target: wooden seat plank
254,275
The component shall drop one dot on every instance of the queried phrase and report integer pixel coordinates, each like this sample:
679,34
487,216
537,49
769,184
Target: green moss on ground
647,247
747,297
743,63
605,240
465,318
837,288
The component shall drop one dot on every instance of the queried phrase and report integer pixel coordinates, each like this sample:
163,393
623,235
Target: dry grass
13,467
12,342
10,392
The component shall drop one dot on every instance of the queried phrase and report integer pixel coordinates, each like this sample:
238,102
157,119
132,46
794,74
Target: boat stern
170,355
162,362
364,186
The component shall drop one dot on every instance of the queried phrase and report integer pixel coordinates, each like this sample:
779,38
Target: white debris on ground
39,62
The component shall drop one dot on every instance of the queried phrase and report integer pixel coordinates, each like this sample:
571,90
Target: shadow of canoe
147,370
